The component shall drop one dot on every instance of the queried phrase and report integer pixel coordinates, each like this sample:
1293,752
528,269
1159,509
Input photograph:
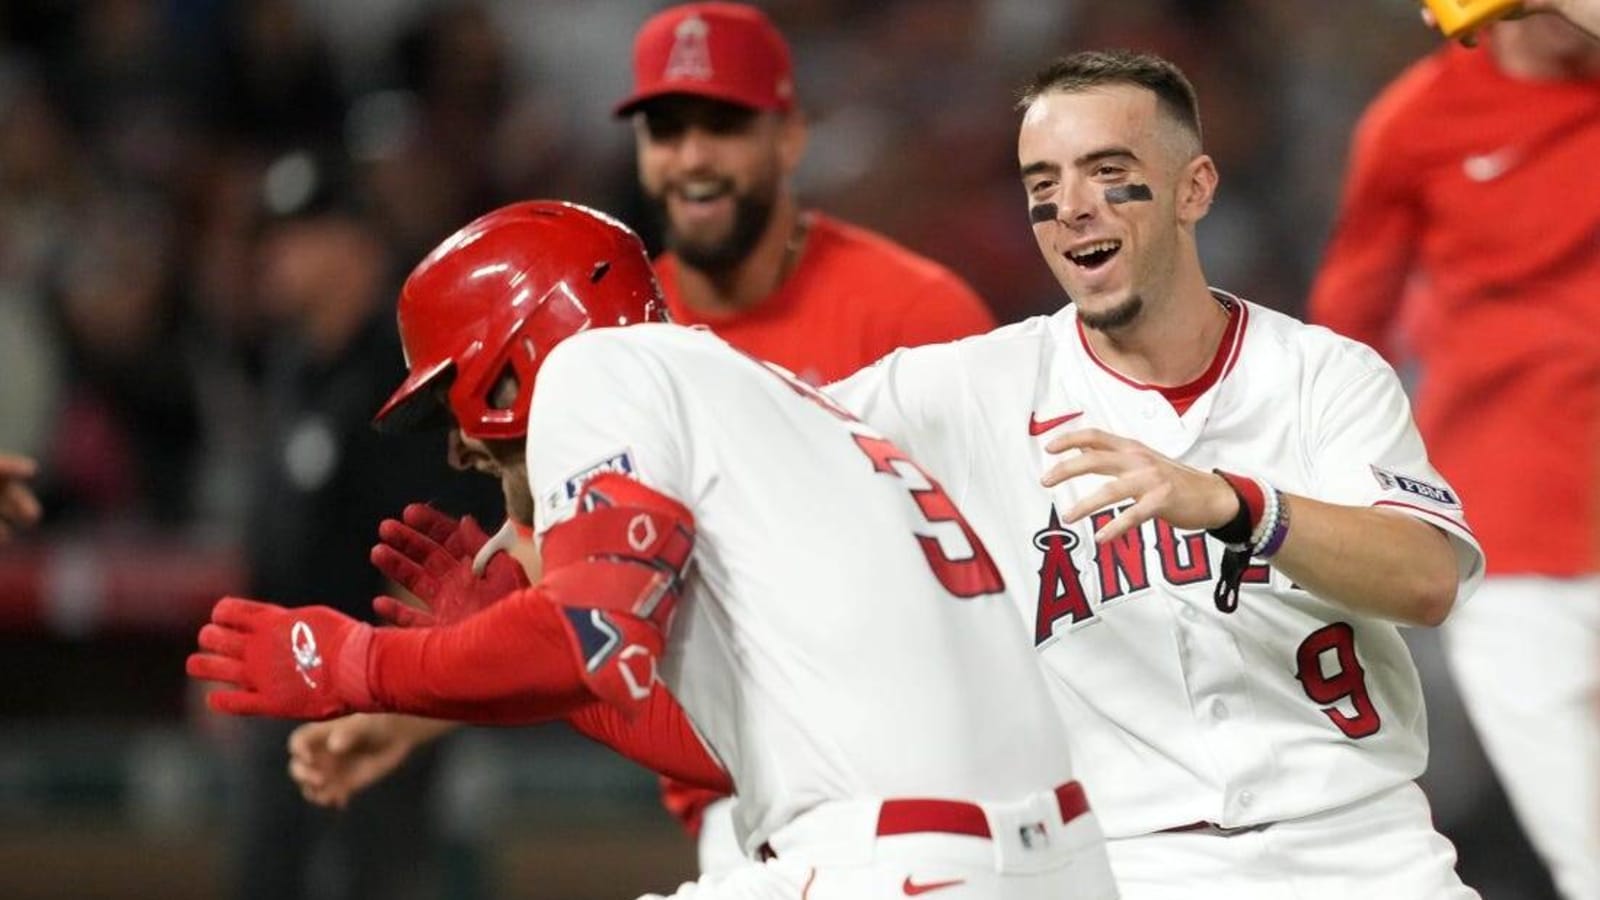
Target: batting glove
433,556
305,663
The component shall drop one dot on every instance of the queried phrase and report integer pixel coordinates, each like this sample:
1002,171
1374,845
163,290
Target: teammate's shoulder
986,356
647,340
1315,345
878,259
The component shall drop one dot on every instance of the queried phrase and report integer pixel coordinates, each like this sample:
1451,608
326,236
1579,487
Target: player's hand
305,663
1185,497
1583,13
436,557
335,760
18,507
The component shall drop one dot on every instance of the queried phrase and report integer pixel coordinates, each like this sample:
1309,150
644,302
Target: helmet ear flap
501,400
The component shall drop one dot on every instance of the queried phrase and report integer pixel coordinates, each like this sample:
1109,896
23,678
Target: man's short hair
1095,68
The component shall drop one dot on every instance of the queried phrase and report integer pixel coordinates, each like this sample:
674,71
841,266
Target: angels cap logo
691,52
303,644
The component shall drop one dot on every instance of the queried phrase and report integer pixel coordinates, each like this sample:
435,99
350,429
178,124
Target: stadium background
133,134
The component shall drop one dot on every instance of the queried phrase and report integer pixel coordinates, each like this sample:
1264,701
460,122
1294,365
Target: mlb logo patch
622,464
1433,493
560,496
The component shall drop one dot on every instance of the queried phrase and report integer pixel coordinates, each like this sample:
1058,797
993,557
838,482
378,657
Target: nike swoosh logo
1489,166
1037,427
912,889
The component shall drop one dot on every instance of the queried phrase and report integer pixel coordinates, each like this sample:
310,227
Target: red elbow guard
616,570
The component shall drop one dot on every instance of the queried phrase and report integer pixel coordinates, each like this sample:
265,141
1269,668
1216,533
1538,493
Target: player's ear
1196,188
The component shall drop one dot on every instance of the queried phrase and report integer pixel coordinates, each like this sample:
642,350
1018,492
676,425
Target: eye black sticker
1128,193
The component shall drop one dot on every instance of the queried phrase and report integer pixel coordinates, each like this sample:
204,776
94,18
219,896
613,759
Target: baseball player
719,133
832,626
1470,217
1257,741
1210,516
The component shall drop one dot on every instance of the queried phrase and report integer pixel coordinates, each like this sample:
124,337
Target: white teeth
702,190
1096,247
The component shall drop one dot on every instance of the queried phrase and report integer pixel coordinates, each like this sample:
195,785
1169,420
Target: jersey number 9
1348,681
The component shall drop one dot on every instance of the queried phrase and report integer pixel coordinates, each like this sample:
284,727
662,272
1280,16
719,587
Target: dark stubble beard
751,214
1119,316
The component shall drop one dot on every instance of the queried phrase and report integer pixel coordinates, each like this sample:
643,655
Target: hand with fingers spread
1183,496
305,663
333,761
18,507
433,556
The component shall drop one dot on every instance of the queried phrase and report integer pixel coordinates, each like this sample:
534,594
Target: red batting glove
306,663
431,555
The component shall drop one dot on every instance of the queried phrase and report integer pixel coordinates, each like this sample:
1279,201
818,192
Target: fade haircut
1096,68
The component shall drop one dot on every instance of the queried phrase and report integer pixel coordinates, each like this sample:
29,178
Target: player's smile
1093,265
1092,255
694,202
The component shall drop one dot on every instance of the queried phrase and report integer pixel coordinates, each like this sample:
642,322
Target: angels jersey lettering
1178,713
842,632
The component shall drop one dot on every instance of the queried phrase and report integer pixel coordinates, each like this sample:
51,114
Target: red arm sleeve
659,738
1358,290
510,664
687,803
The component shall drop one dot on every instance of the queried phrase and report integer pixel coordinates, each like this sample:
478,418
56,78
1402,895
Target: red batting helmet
497,296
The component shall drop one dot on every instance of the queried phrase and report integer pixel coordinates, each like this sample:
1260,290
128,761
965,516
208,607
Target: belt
959,817
918,816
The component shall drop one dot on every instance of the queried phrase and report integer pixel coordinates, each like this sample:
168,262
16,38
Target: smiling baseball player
1210,516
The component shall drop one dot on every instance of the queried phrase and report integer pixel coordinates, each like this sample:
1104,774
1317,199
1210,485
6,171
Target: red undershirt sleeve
510,664
659,738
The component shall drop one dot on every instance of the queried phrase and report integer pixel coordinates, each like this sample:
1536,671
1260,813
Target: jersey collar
1183,396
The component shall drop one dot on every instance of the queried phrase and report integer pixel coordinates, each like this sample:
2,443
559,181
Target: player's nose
1077,204
696,149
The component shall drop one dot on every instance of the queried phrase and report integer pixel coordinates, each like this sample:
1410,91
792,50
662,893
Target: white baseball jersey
1178,713
842,635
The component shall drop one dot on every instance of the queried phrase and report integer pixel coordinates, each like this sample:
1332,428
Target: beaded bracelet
1257,531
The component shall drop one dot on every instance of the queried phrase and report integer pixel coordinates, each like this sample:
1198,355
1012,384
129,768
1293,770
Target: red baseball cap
724,51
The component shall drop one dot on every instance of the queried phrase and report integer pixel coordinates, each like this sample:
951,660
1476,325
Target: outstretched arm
591,629
1374,561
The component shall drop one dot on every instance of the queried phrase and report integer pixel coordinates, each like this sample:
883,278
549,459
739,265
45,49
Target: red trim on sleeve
1423,509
